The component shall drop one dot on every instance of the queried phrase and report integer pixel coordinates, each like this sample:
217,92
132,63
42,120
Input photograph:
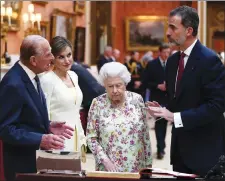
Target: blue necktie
39,89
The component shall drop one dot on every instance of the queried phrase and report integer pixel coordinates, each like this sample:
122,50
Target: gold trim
75,139
140,19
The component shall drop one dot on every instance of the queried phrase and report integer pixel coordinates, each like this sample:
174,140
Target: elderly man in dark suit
154,78
195,84
24,123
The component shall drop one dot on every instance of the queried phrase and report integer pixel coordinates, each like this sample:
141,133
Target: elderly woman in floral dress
117,133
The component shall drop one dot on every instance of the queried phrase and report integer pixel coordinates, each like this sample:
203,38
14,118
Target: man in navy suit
154,79
195,83
105,58
24,123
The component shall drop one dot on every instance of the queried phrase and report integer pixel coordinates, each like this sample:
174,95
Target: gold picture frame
45,30
63,24
16,15
79,7
144,33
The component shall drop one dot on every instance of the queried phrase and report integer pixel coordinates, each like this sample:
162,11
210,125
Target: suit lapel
160,66
34,95
190,66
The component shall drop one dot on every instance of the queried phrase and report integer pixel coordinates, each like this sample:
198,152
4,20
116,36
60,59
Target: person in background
135,68
63,94
147,57
195,84
24,122
117,133
154,79
115,55
105,58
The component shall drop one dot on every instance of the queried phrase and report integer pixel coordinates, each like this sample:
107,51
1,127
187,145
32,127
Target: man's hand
162,87
110,166
137,84
162,112
60,128
152,104
50,141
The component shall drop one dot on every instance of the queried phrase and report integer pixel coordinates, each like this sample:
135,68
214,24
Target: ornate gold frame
57,12
142,19
45,24
78,7
15,27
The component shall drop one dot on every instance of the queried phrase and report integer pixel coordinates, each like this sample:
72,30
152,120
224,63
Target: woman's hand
110,166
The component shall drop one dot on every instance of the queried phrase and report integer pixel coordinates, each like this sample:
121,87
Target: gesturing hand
50,141
162,112
60,128
152,104
110,166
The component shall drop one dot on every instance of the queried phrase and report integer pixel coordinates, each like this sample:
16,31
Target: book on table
163,172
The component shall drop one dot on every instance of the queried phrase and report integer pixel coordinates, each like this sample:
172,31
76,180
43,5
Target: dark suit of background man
154,79
105,58
24,123
196,90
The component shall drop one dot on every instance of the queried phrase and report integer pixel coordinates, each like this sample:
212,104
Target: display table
46,177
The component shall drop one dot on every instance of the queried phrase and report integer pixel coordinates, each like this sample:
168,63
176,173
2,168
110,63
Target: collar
189,49
29,72
161,61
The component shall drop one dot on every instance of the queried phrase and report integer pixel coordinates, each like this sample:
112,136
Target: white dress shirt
177,117
30,74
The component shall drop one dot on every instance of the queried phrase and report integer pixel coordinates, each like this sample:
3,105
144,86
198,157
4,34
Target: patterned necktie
39,89
180,70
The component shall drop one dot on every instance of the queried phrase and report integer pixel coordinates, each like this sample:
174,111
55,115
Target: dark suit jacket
201,101
154,74
88,84
23,120
102,61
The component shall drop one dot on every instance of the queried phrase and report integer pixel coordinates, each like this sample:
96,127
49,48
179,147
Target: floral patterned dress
120,134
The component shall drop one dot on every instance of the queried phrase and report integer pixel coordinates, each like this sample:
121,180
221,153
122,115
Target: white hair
114,69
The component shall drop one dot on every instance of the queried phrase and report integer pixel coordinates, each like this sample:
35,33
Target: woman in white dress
63,94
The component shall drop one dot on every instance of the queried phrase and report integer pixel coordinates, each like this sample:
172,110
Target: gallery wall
15,38
123,9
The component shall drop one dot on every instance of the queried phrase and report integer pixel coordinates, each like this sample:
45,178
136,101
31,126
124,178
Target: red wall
135,8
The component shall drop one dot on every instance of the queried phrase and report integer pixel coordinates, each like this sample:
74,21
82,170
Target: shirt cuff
177,120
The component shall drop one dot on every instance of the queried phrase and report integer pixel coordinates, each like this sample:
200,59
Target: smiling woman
63,94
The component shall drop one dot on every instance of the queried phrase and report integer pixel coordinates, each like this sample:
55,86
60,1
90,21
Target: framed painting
145,33
63,24
79,44
45,30
79,7
16,15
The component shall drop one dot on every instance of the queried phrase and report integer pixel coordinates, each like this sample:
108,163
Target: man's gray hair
108,48
30,47
114,69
